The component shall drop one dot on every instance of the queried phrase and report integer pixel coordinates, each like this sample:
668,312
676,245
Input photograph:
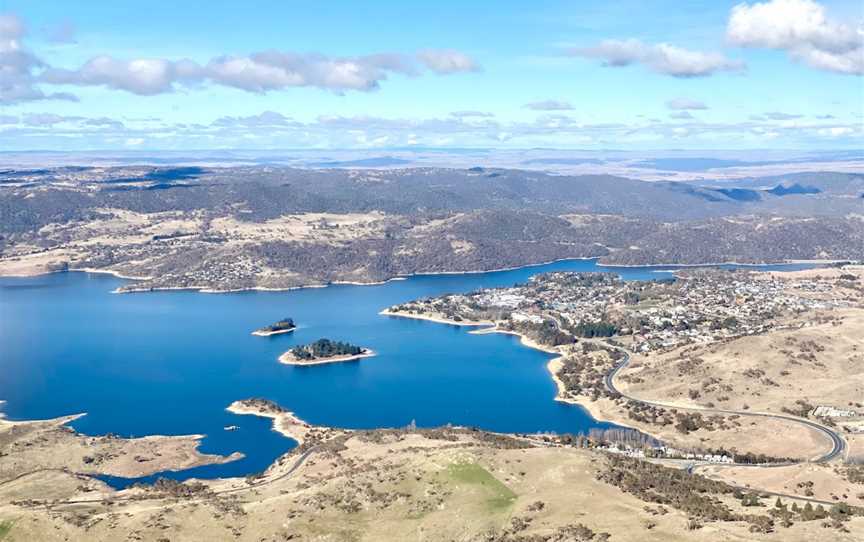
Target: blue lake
170,362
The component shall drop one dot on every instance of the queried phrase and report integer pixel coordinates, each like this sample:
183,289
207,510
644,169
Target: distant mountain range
249,226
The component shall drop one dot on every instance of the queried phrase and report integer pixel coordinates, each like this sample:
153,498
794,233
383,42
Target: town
702,306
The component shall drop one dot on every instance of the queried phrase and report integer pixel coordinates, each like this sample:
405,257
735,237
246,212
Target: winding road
838,444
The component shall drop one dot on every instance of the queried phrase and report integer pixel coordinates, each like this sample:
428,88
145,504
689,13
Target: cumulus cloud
11,26
267,119
836,131
141,76
104,122
549,105
23,72
683,104
803,30
271,129
274,70
445,61
471,113
259,72
681,115
19,66
46,119
661,58
777,115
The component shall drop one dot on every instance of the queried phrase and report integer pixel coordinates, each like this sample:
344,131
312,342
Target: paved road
837,447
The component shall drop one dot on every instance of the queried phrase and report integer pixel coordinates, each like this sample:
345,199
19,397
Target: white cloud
777,115
11,26
18,65
275,130
259,72
836,131
444,61
141,76
661,58
550,105
46,119
682,104
681,115
801,28
270,119
21,72
274,70
471,113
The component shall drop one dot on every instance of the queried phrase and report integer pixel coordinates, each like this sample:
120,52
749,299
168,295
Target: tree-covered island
285,325
324,351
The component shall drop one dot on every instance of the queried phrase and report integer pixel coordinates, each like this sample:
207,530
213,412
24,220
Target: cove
170,362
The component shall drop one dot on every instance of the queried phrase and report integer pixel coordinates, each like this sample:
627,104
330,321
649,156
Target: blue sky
782,74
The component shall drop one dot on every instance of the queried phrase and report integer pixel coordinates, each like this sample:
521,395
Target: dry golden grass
32,446
821,363
819,481
392,487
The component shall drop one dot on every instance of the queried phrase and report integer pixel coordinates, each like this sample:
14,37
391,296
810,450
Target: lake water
170,362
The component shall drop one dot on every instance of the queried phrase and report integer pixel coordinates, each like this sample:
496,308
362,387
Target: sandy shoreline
60,420
124,457
438,320
715,264
39,273
288,359
260,333
285,422
553,366
522,339
210,290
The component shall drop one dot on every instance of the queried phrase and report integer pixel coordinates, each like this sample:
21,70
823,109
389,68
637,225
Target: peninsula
324,351
717,356
285,325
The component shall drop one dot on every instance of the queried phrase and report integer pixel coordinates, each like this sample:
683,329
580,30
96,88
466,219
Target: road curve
838,444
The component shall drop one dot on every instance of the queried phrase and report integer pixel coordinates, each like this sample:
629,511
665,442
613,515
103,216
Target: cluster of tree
749,458
697,495
595,329
626,437
836,515
546,333
730,322
645,413
687,422
691,493
325,348
802,408
281,325
585,375
854,473
596,438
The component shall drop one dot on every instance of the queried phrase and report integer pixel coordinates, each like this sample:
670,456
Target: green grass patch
5,527
473,474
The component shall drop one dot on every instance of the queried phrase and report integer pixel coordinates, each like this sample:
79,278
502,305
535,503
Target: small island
324,351
285,325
